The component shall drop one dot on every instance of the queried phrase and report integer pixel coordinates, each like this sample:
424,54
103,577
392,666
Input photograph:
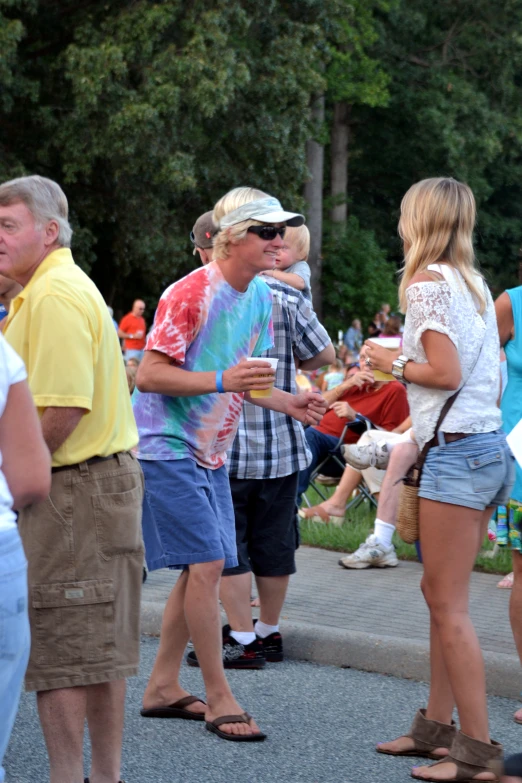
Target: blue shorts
188,516
475,472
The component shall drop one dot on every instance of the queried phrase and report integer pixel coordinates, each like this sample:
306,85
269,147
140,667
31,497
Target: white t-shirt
447,306
12,370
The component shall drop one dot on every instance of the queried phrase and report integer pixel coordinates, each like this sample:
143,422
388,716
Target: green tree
148,112
455,109
357,278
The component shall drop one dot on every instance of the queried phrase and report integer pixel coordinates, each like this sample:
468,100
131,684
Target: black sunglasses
267,233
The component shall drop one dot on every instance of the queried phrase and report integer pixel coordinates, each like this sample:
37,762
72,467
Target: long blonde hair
436,226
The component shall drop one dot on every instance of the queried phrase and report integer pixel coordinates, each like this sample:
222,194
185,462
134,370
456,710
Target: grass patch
357,526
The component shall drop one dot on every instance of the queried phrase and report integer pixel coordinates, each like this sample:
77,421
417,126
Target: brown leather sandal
428,735
471,757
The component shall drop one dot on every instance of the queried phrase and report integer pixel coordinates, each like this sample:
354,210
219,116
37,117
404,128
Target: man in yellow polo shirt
83,544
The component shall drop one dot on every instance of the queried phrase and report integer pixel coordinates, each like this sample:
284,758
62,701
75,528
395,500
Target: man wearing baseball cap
192,382
202,237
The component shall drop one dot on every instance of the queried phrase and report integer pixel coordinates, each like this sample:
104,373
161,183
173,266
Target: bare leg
163,687
62,715
204,622
272,594
515,609
235,597
105,713
401,459
336,504
451,537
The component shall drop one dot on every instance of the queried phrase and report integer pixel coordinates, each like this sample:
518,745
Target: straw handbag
408,514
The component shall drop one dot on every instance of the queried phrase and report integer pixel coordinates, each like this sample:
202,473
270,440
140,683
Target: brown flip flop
176,710
244,718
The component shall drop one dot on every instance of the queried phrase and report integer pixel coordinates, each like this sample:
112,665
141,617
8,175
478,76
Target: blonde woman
450,343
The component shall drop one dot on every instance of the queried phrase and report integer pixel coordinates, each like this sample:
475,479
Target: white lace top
447,306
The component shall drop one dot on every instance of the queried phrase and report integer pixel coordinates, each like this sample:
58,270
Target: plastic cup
258,393
391,343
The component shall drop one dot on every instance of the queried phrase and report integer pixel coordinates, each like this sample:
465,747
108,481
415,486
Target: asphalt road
322,725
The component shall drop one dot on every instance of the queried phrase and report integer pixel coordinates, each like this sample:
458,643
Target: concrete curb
366,651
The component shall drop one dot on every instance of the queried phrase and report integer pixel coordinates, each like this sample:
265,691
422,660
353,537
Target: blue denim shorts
188,516
476,472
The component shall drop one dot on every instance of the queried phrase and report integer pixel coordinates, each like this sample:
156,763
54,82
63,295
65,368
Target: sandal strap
244,718
431,734
185,701
472,756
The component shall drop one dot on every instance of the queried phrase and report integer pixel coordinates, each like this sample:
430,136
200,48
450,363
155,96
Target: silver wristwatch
398,368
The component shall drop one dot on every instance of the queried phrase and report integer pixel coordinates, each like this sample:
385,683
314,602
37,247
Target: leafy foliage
147,112
357,278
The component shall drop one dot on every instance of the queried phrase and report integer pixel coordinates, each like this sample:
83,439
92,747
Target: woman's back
447,306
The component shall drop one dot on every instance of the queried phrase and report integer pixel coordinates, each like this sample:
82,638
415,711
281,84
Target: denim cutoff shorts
188,516
476,472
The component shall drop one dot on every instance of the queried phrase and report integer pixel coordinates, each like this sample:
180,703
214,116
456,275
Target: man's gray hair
44,199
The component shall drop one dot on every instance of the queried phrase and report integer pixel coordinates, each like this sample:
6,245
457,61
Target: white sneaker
371,553
369,455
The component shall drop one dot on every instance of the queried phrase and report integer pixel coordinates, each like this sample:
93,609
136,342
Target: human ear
52,231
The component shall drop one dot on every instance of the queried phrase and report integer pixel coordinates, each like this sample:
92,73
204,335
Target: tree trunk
339,163
313,193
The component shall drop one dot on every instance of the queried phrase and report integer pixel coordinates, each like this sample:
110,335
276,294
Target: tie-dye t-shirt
202,324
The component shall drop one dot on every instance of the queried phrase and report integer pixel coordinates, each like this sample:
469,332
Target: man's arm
159,375
58,424
326,356
290,278
308,407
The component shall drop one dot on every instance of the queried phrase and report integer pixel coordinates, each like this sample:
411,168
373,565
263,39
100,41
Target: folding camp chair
335,463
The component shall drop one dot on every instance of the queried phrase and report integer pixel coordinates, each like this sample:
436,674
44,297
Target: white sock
383,531
406,437
263,630
243,637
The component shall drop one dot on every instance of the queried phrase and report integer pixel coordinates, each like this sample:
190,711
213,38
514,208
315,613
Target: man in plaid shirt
264,462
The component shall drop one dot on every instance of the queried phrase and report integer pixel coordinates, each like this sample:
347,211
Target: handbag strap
444,412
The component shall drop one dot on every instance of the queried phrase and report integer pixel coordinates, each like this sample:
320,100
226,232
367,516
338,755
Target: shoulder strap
444,412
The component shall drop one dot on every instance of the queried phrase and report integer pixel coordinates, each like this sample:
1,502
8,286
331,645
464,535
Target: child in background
335,375
291,260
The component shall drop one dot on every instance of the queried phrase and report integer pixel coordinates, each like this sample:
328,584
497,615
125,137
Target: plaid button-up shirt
270,444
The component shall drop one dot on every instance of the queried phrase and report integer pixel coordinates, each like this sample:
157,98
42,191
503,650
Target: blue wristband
219,382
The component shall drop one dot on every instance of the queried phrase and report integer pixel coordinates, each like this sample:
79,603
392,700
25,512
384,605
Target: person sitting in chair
383,403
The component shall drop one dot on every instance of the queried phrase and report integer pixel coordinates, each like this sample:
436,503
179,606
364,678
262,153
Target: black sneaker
235,654
272,646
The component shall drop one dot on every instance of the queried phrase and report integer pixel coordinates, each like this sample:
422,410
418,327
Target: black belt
90,461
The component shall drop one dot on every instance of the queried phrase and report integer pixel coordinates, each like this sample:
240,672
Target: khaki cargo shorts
85,553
